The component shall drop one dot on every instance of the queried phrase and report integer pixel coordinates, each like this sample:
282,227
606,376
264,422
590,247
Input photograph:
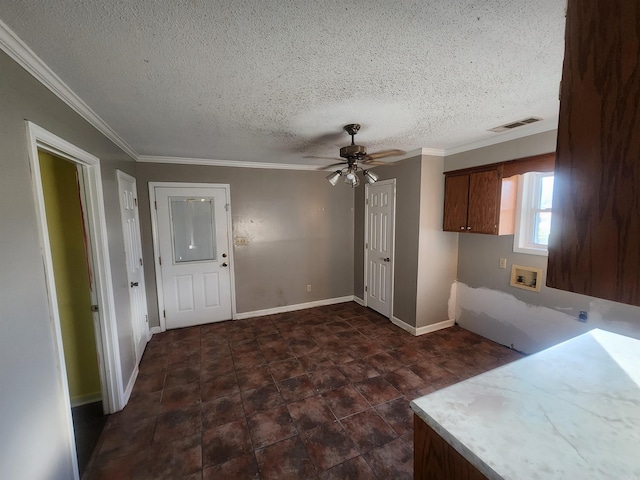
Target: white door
133,252
380,227
193,240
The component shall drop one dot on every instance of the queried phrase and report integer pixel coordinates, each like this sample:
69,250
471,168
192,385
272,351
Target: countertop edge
458,446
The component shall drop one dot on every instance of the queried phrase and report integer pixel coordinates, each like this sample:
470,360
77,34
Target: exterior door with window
380,230
194,258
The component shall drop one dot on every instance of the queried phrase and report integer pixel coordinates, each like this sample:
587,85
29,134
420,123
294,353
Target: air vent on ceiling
519,123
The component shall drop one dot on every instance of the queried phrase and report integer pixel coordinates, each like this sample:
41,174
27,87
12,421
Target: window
533,213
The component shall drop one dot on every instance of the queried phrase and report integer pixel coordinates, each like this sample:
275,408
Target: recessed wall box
527,278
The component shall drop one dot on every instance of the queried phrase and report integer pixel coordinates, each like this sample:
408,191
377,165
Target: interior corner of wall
452,305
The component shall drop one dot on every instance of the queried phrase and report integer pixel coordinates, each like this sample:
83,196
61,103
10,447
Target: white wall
438,250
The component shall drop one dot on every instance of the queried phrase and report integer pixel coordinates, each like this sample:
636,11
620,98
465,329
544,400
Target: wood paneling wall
594,248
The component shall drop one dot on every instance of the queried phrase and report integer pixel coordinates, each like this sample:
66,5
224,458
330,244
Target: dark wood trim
536,163
435,459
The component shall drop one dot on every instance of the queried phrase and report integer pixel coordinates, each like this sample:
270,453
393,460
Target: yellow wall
64,221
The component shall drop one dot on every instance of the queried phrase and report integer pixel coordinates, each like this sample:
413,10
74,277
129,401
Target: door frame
120,175
107,337
392,182
156,242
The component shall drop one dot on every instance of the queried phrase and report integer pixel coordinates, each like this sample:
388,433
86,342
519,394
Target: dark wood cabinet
472,201
594,247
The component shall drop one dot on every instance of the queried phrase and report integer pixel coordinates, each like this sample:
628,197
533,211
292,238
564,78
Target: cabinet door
484,195
456,202
594,246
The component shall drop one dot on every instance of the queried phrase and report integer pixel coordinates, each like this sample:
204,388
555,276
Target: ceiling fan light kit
355,154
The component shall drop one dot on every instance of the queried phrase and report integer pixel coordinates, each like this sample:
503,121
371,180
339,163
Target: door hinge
164,313
160,260
366,201
366,289
366,245
227,206
135,202
155,204
94,308
140,262
146,318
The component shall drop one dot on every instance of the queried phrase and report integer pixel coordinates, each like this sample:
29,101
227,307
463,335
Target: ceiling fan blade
332,166
321,158
384,154
373,163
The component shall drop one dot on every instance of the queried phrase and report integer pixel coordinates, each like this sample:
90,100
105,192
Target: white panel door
194,254
133,251
380,210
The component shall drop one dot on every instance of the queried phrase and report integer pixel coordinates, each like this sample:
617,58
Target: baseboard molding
86,399
422,330
127,393
153,331
293,308
435,326
358,300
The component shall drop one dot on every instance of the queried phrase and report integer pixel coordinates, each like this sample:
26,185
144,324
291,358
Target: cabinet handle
461,228
468,228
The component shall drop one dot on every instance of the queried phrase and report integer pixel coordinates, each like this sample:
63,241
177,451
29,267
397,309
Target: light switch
503,263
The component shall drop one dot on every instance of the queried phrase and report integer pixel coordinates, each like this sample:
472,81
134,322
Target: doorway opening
68,196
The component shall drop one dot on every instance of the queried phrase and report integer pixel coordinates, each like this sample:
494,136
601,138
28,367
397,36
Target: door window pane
193,227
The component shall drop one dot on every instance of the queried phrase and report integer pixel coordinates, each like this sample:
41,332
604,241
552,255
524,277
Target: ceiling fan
355,156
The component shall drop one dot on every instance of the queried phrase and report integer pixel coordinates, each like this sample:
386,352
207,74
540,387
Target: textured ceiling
275,81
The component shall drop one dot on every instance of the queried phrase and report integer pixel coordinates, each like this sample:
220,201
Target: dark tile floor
321,393
88,423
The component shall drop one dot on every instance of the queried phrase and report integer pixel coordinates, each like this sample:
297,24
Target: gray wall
407,175
33,441
529,321
425,256
299,230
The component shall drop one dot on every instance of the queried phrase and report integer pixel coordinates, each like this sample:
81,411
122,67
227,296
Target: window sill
532,251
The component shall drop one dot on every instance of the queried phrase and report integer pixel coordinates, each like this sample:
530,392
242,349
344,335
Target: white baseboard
127,393
86,399
293,308
435,326
358,300
422,330
153,331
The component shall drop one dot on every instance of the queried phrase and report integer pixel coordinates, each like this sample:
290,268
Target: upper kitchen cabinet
472,201
594,246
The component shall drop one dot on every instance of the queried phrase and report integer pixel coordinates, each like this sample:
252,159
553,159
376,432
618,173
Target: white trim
293,308
86,399
434,327
226,163
432,152
156,243
422,330
110,375
127,392
154,330
527,131
358,300
27,59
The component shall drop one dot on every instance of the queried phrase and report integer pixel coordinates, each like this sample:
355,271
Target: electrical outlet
308,288
503,263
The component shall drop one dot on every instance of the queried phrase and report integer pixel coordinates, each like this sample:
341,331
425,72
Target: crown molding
521,132
13,46
225,163
433,152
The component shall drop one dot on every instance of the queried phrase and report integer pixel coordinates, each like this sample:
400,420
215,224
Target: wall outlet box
503,263
527,278
308,288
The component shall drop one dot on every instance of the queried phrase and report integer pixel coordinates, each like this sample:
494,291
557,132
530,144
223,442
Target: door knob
224,264
386,259
134,284
224,255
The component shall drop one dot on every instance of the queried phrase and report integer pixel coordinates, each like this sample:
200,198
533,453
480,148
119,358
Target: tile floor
321,394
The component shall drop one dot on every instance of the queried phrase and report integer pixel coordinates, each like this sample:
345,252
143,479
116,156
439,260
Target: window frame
527,206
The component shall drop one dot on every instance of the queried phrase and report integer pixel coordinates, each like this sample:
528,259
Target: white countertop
569,412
